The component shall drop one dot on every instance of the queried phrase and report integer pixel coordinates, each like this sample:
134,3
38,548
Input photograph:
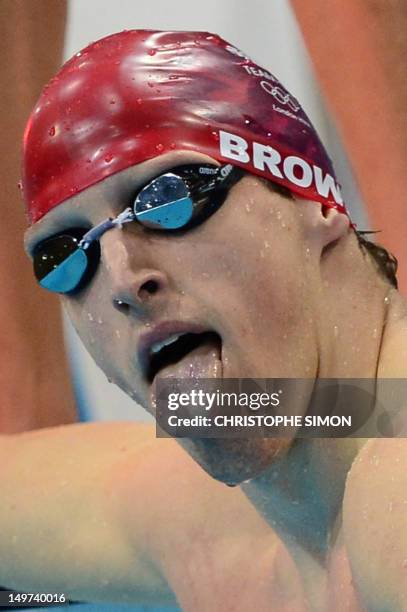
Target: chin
234,461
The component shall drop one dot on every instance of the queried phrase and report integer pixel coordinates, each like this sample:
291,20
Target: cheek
100,328
252,274
249,264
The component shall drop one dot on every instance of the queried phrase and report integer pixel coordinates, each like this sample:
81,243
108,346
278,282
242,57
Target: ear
324,225
334,225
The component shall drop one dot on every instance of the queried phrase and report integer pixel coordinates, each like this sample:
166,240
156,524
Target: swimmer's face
248,274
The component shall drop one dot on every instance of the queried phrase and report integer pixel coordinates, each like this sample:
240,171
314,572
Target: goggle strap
96,232
229,175
226,176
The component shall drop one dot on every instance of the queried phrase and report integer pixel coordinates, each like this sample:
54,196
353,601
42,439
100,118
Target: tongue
202,362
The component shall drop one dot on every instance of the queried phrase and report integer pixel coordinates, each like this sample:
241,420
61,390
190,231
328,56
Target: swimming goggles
176,200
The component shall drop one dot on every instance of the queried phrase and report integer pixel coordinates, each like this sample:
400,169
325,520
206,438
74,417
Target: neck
354,303
299,495
363,336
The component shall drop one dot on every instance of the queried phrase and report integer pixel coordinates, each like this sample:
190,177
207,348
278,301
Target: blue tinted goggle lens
60,265
165,203
174,200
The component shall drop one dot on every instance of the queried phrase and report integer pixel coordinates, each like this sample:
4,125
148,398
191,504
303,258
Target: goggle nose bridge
97,232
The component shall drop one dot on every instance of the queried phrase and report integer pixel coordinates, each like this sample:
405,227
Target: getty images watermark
244,408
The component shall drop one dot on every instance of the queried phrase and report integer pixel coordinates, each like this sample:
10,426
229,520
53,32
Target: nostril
135,292
150,287
121,306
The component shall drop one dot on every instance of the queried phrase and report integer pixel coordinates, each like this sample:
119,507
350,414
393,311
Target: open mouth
187,355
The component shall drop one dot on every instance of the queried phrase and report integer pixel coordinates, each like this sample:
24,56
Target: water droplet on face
51,131
336,331
374,334
387,300
90,317
100,321
117,333
247,207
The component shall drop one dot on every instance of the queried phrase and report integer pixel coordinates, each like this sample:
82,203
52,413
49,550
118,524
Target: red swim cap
141,93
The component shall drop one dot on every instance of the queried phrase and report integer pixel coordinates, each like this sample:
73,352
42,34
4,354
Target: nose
136,286
138,292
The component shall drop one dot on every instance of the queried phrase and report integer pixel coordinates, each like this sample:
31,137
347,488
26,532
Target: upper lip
162,331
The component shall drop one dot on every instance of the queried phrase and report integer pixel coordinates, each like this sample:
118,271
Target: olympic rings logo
282,96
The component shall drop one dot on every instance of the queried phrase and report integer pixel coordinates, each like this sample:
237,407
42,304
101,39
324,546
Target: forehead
91,205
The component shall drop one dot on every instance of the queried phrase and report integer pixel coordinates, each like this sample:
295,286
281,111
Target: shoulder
375,523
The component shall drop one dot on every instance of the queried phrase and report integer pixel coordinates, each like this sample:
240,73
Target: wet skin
253,272
289,292
218,276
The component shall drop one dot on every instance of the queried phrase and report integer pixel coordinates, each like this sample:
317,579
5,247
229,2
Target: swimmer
182,197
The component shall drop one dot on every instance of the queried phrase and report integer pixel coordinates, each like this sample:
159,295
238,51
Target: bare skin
373,536
59,515
31,52
329,314
124,517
